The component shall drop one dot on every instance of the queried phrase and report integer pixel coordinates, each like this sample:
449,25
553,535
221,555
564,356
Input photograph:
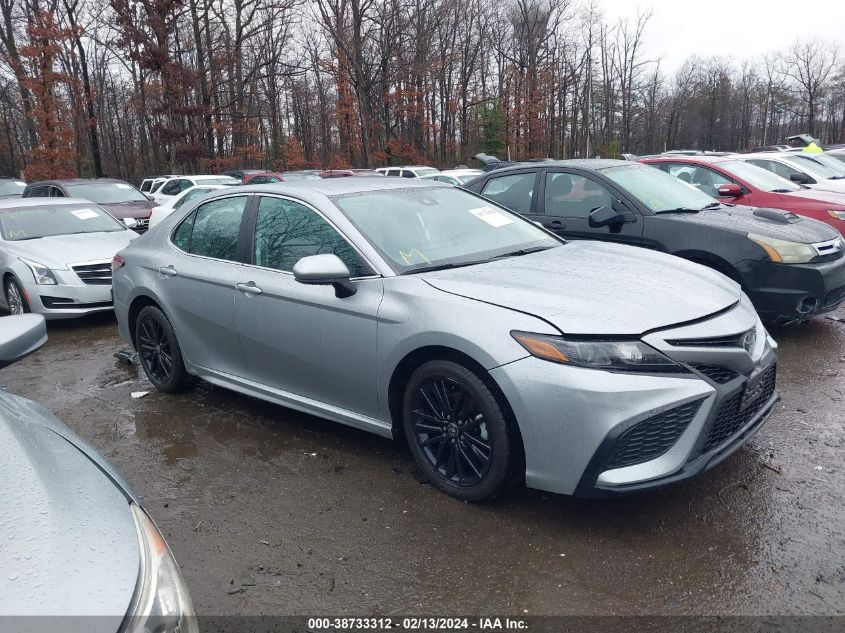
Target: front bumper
592,433
69,298
784,293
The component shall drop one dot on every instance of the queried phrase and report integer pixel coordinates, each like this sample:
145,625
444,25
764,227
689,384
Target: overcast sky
734,28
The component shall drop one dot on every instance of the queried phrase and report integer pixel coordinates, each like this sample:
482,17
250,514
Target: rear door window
513,191
213,229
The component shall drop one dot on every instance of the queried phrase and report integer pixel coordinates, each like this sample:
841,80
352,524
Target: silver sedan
425,312
55,256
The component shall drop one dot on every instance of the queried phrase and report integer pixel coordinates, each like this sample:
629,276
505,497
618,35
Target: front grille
653,436
834,297
730,418
716,373
734,340
98,274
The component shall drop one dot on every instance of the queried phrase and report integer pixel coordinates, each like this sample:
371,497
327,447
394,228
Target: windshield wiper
521,251
781,191
712,205
680,210
428,269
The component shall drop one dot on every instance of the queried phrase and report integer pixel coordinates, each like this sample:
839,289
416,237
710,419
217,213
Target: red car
738,182
262,178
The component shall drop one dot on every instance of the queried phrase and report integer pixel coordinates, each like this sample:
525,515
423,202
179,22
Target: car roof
341,186
685,158
591,164
8,204
78,181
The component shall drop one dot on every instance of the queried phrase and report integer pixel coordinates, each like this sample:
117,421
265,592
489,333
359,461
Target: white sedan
179,184
174,202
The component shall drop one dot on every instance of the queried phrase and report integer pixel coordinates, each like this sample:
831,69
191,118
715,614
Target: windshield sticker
491,216
84,214
121,185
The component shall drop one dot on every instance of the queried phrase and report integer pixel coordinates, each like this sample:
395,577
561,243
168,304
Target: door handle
249,288
168,271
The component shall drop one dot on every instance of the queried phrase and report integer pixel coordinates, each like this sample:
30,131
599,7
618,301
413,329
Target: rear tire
457,431
159,352
15,298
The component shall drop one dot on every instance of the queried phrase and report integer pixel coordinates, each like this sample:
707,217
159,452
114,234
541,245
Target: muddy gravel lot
270,511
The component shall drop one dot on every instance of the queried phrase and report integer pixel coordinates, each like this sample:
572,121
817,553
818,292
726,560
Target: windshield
11,187
193,193
839,157
417,228
55,219
826,162
656,189
106,192
758,177
816,170
426,171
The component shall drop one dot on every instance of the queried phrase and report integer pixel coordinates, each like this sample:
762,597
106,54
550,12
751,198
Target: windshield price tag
491,216
84,214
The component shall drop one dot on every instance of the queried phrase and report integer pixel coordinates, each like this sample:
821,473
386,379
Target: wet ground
270,511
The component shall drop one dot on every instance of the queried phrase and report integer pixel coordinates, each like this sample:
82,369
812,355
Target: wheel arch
137,304
711,260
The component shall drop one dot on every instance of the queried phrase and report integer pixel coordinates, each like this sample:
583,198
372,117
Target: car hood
776,223
60,250
121,210
596,288
69,542
819,196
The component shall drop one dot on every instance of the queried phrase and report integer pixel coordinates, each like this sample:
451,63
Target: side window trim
249,259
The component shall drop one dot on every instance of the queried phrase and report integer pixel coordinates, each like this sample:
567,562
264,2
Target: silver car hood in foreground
60,250
68,543
588,287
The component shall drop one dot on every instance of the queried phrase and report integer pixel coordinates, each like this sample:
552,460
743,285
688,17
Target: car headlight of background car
836,215
43,275
610,355
783,251
161,603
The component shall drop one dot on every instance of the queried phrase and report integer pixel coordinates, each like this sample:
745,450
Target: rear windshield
106,192
223,180
12,187
47,220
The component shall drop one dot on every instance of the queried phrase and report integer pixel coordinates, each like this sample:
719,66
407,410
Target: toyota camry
422,311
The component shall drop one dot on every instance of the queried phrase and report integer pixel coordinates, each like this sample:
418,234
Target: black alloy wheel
159,351
457,430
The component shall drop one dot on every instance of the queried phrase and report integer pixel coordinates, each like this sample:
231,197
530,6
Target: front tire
457,431
158,351
15,298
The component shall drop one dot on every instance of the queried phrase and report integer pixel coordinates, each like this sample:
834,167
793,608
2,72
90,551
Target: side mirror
801,179
730,190
325,270
20,335
608,216
149,197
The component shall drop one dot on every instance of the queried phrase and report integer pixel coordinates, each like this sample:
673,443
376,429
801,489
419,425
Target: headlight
783,252
836,215
42,274
161,603
609,355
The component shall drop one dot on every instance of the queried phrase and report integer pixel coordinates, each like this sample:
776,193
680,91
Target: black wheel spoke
427,416
450,465
477,443
434,439
466,458
427,428
473,422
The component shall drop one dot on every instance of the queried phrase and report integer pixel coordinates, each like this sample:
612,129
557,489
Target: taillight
117,262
